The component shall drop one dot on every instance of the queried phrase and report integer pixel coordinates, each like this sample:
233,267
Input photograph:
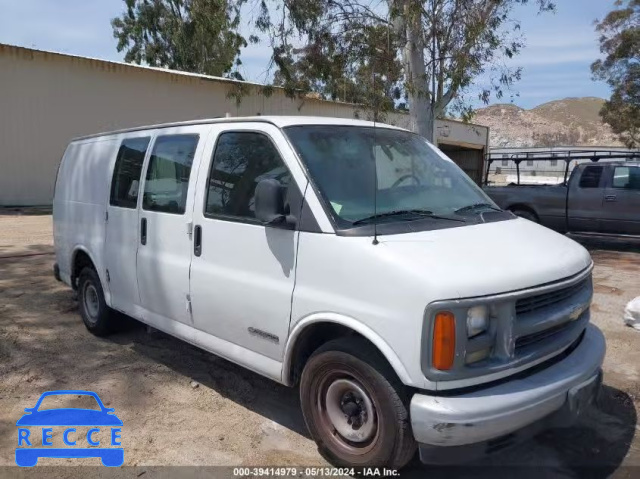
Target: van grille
532,338
533,303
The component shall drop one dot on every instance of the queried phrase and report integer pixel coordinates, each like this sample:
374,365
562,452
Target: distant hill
568,122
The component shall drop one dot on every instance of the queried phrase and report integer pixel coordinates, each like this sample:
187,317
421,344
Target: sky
560,47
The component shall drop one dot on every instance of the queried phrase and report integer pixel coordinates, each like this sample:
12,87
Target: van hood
488,258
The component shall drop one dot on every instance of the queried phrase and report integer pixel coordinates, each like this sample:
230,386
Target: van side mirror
270,204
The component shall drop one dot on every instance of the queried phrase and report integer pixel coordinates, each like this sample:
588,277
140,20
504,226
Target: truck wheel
93,308
355,407
526,214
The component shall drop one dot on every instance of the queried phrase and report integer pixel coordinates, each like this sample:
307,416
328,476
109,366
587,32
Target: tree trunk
420,105
422,120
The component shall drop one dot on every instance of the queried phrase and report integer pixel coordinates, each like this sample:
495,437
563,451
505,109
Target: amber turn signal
444,340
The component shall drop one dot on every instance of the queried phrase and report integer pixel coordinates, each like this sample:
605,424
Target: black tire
95,313
526,214
345,368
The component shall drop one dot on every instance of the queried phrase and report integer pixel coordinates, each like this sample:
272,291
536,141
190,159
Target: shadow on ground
594,447
10,253
252,391
37,315
25,210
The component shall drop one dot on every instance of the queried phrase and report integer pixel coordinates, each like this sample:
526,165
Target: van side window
240,161
591,177
626,177
126,173
167,181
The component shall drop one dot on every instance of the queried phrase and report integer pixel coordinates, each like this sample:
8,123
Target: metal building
47,98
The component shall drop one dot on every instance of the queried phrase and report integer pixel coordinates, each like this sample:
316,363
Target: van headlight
477,320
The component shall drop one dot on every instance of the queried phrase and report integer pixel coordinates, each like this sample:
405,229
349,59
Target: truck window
591,177
167,181
626,177
126,174
240,161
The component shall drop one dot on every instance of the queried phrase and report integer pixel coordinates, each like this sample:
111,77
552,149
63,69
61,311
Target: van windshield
413,181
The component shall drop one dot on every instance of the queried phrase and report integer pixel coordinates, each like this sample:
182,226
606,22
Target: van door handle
143,231
610,198
197,240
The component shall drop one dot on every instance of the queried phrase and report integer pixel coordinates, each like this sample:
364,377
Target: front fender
350,323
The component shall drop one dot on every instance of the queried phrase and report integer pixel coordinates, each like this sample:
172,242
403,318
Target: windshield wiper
477,206
416,212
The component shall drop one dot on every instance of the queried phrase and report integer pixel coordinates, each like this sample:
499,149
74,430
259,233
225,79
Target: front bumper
490,413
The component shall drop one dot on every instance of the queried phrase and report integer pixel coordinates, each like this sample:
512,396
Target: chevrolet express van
351,259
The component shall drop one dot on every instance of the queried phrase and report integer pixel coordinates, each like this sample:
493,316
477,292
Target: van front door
164,251
243,272
121,241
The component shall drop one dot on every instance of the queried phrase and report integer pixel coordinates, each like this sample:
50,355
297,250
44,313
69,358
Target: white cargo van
354,260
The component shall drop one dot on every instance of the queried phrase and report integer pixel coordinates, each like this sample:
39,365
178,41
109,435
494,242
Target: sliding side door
164,251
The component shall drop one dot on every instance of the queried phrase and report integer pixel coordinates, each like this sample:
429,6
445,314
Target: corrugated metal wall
46,99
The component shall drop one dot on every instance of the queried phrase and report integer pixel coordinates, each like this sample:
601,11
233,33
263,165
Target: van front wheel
355,407
93,308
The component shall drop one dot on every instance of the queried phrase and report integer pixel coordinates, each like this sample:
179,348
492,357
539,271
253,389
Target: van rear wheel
93,308
355,407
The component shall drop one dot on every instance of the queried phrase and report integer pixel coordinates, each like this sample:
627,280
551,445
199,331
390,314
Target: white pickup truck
353,260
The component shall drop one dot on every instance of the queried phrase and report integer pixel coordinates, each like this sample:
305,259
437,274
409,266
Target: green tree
424,54
363,69
199,36
620,43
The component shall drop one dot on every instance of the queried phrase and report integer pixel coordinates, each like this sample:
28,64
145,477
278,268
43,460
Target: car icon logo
69,418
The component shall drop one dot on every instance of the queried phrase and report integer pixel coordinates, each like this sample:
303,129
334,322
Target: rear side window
240,161
167,181
627,177
126,174
591,177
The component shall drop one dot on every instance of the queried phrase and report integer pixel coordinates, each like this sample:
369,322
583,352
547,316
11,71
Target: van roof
279,121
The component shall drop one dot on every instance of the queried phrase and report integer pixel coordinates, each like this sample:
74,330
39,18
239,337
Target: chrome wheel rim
91,302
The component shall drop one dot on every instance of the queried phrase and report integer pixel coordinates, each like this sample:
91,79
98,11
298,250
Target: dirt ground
184,407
